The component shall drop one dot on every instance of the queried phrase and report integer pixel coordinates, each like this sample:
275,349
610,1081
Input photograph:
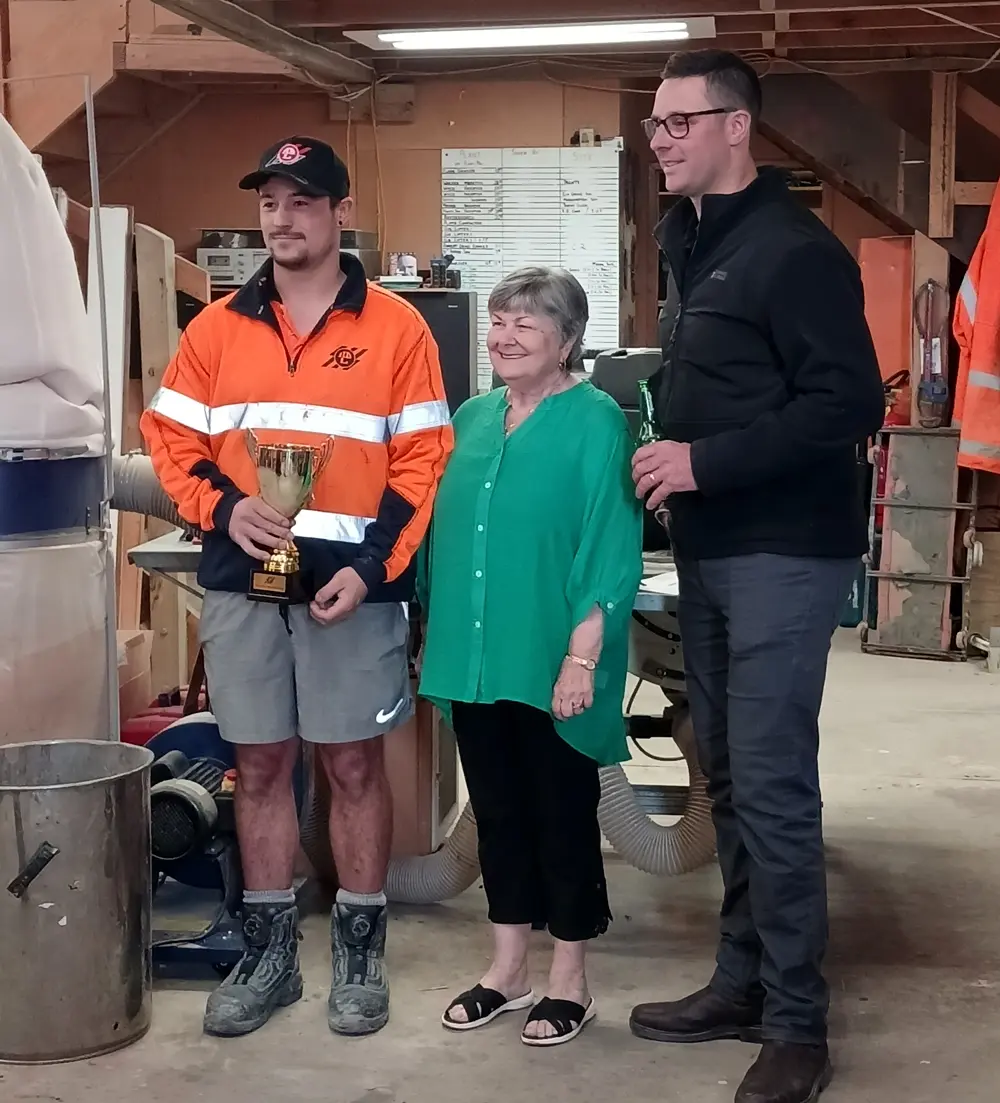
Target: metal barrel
75,899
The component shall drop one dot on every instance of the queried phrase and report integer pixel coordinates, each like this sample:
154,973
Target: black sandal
482,1005
567,1017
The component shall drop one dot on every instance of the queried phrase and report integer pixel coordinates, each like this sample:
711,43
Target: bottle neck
646,405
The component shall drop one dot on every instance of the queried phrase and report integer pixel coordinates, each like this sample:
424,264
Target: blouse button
478,624
479,574
479,528
611,605
488,485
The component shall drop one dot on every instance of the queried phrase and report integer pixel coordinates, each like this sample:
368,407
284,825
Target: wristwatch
587,664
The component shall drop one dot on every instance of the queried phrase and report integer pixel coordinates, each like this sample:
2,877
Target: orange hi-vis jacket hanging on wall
368,376
976,326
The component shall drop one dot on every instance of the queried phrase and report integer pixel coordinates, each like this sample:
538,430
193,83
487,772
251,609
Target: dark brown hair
730,81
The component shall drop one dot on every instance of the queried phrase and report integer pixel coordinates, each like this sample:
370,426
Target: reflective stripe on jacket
368,376
976,326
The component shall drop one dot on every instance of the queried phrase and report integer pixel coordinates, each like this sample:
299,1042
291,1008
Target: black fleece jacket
770,373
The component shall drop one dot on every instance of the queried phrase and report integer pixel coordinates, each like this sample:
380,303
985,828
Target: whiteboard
503,209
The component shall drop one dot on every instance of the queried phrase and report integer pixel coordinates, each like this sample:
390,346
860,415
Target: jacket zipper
675,330
293,361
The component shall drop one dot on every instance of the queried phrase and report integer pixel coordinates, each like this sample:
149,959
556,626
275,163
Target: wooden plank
980,109
862,153
188,276
158,334
192,280
177,54
941,201
5,54
240,25
974,193
131,526
77,220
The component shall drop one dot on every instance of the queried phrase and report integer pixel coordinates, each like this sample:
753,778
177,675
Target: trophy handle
321,457
324,453
253,445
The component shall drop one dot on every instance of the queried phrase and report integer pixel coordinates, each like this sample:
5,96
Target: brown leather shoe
786,1072
704,1016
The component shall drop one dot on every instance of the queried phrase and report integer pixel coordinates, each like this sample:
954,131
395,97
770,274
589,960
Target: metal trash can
75,897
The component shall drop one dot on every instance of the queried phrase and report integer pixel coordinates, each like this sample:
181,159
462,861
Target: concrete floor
912,785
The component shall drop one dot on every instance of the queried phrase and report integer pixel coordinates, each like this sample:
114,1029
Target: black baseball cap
308,162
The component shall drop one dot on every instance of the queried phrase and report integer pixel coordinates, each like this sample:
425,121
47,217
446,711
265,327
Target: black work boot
359,997
266,977
704,1016
787,1072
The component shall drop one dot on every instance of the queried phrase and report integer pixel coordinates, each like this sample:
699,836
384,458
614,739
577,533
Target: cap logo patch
289,154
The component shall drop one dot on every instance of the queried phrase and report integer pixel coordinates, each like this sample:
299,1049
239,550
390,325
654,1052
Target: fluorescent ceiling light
541,36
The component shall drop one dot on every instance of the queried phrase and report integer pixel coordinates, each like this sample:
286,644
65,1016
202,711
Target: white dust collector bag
54,677
51,393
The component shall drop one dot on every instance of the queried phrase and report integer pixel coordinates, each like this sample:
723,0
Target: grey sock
269,896
361,899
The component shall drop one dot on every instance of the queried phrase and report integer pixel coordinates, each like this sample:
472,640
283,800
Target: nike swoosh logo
383,717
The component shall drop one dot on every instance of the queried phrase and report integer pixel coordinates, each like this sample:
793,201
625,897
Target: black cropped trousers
535,798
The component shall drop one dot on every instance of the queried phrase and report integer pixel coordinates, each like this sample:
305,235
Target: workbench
173,554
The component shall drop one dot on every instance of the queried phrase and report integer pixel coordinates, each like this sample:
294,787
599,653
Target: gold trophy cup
286,474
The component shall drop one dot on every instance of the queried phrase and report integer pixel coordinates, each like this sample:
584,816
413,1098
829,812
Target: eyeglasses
678,123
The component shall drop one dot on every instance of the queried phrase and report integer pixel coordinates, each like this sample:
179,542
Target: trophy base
276,587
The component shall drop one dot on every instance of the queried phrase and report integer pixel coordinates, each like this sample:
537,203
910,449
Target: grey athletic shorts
269,682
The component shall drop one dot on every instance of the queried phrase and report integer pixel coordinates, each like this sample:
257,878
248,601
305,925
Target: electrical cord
228,885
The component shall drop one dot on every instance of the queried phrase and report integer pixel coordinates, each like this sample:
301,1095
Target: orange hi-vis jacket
368,376
976,325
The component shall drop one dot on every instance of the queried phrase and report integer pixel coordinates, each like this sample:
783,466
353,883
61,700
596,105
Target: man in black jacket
767,394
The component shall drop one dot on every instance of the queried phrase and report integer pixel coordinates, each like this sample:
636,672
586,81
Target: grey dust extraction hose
447,872
450,870
137,489
655,848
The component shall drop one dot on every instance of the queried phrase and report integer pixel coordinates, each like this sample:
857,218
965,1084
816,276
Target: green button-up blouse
529,532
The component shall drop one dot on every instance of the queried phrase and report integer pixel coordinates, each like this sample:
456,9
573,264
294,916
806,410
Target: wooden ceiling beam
745,40
242,24
191,54
941,201
862,153
987,15
980,109
404,13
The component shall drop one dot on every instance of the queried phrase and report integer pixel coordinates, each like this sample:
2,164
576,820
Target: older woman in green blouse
532,564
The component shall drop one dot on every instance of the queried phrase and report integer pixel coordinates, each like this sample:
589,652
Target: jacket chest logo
344,357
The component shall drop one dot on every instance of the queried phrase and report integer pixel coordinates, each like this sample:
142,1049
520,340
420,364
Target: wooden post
4,58
158,334
941,204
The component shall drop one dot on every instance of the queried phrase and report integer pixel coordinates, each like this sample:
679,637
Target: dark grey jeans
756,633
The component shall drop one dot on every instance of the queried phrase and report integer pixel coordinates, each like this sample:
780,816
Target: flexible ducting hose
675,848
137,489
441,875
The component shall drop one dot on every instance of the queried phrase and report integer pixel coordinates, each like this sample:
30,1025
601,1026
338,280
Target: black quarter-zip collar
254,299
676,231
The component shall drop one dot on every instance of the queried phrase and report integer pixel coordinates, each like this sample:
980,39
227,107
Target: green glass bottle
649,431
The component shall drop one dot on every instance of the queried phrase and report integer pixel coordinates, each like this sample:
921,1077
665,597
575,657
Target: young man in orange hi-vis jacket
305,351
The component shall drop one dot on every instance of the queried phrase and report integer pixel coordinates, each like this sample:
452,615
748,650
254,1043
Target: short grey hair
553,292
